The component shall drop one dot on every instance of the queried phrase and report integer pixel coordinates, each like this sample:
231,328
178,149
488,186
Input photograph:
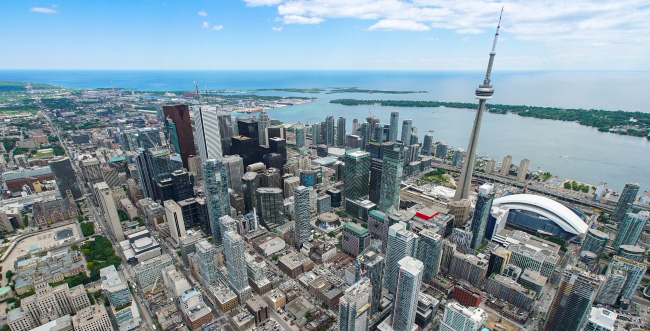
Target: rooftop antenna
112,87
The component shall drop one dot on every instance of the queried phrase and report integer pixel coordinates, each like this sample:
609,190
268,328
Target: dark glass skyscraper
625,201
180,115
64,175
340,132
391,178
356,174
481,214
376,166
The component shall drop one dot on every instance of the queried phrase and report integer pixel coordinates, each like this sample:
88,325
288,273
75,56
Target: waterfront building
427,144
630,229
625,202
523,170
354,306
505,165
407,124
441,151
356,174
401,243
408,292
573,300
315,134
481,214
632,253
329,130
394,126
489,166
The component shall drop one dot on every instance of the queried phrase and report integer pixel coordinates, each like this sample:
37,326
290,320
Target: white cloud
297,19
205,25
399,25
43,10
599,28
203,13
258,3
217,27
277,28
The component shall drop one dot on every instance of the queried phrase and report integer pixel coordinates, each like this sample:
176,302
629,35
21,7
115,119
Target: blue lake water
562,148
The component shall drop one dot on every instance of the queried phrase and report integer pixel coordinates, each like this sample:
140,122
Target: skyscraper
427,144
208,135
613,285
483,93
634,270
408,292
225,130
340,132
429,250
460,318
233,248
263,123
625,201
441,151
270,206
401,243
104,197
366,134
356,174
180,115
407,124
302,214
391,178
573,299
215,186
595,241
370,264
523,170
354,306
206,254
234,166
315,134
355,239
376,166
251,182
630,229
329,130
175,220
394,125
65,177
481,214
355,126
505,165
300,135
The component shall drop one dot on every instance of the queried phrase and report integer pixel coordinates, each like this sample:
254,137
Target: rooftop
357,229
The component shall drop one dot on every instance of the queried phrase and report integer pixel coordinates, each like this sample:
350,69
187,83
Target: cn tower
483,93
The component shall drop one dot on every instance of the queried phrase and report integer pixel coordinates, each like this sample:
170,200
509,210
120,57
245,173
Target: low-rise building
275,299
93,318
147,272
226,299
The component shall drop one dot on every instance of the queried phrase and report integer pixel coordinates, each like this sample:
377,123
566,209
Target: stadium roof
551,209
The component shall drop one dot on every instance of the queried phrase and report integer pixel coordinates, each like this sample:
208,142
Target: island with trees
619,122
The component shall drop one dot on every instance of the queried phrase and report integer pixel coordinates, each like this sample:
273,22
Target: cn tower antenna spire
483,93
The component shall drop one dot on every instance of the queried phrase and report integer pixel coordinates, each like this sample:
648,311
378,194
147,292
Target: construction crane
154,287
196,88
112,87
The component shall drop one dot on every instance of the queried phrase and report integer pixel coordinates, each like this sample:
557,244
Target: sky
325,34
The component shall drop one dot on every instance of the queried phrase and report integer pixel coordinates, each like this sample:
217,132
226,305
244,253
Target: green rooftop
357,229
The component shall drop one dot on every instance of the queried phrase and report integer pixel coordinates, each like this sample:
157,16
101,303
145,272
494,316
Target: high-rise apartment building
315,134
407,124
429,250
505,165
180,115
630,229
427,144
234,250
409,280
573,300
523,170
300,135
595,241
104,197
391,179
370,264
356,174
625,201
441,151
611,289
65,177
206,254
215,185
394,126
401,243
302,214
634,270
340,132
481,214
329,130
354,306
